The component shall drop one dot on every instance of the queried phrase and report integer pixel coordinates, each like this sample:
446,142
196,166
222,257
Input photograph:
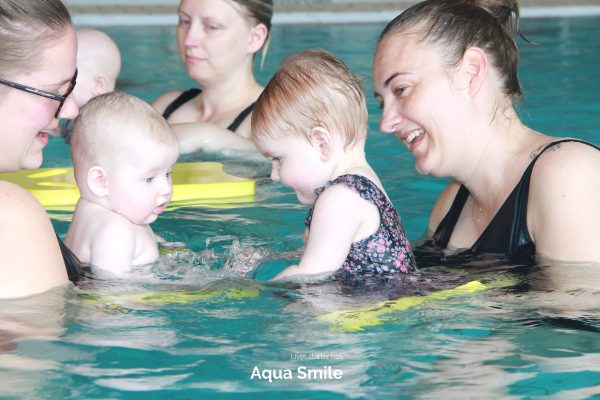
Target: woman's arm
30,258
196,136
563,213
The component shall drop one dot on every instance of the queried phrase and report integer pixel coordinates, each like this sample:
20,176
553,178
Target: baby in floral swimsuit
311,123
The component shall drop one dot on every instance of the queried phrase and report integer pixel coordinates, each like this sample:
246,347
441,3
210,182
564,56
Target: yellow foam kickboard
194,183
356,319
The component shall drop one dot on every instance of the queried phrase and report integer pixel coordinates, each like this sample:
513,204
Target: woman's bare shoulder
22,214
24,225
16,201
563,215
566,162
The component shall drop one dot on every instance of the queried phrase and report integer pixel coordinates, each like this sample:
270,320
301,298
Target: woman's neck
234,93
497,160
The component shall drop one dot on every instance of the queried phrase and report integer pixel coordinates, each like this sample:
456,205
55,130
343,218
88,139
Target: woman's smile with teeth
413,135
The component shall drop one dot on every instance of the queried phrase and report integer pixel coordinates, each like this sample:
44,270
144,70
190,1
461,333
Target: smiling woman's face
26,117
421,104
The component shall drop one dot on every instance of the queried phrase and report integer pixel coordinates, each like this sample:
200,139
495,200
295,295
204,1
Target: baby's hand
243,259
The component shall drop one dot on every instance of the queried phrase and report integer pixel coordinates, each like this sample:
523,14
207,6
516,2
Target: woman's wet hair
261,12
311,89
25,26
452,26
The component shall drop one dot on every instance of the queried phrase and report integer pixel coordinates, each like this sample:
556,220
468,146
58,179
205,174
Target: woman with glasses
218,41
38,49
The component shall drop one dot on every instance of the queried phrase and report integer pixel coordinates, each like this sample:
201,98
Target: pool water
191,327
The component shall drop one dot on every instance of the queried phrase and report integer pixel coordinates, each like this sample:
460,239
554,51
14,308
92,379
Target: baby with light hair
98,67
311,123
123,153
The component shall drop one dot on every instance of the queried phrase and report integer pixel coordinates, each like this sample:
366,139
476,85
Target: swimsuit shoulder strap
444,230
181,100
362,185
522,189
241,117
366,188
190,94
524,182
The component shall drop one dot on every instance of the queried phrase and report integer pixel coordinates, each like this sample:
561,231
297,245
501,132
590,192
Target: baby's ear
321,138
100,85
96,181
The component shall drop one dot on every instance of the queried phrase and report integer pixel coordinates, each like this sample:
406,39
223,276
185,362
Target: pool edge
316,17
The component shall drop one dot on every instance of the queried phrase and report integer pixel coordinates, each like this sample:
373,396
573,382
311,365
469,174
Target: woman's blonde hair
259,12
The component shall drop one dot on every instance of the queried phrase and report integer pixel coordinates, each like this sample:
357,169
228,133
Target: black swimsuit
507,233
190,94
75,270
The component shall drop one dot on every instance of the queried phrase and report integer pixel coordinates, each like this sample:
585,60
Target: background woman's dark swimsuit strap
507,233
190,94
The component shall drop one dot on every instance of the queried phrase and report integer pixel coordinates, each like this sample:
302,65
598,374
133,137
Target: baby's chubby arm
112,248
337,217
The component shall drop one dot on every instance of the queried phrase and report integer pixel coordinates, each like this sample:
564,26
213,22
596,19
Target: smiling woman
49,95
218,40
445,74
37,66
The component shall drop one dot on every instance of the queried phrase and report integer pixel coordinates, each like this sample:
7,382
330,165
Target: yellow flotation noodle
194,183
115,302
355,319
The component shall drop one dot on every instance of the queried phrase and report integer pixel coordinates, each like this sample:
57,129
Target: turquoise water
201,330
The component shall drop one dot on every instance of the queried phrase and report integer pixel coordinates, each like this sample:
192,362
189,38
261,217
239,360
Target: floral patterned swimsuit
387,252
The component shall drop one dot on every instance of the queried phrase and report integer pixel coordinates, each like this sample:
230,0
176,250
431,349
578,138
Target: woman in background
218,41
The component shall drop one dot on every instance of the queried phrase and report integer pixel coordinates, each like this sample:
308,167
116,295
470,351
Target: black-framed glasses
43,93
